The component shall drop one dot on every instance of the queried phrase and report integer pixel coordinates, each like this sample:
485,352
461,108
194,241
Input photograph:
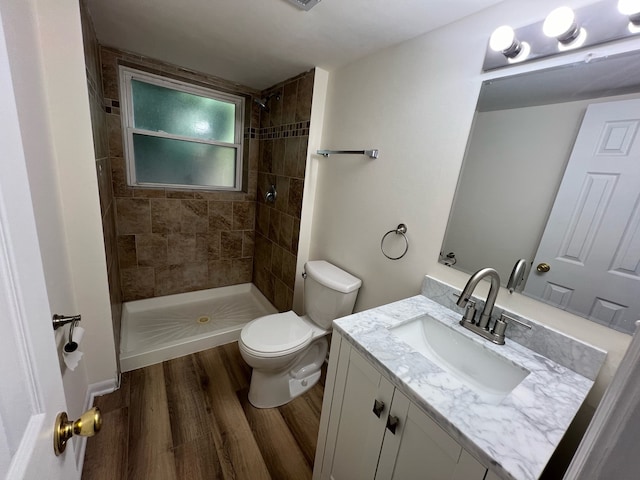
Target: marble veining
515,438
579,356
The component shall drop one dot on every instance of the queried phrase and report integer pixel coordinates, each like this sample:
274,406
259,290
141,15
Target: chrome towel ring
401,230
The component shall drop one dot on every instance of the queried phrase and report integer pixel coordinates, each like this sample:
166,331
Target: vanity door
360,421
370,430
417,448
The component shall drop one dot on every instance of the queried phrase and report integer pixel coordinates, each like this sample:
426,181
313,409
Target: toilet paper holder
59,321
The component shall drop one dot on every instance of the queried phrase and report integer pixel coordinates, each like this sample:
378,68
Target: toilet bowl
286,354
287,351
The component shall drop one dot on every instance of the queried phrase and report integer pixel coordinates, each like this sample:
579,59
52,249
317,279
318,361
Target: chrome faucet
517,275
485,316
496,335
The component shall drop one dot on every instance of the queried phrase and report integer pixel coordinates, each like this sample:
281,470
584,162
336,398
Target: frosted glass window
199,163
180,135
161,109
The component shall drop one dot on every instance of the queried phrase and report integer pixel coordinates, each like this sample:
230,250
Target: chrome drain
203,319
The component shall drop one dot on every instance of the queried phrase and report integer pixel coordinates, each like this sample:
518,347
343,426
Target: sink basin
489,375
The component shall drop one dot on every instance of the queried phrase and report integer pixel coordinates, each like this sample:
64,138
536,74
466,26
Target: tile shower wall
103,166
174,241
284,136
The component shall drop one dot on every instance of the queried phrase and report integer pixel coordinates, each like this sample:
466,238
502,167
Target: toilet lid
276,333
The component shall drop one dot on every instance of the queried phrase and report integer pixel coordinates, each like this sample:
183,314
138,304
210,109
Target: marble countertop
514,438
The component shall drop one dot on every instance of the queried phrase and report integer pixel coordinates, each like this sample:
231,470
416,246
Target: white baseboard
100,388
94,390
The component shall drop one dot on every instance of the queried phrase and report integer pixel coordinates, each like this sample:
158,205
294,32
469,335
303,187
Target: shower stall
162,328
189,268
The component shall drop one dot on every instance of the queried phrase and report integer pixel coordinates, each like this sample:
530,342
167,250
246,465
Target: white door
31,392
592,240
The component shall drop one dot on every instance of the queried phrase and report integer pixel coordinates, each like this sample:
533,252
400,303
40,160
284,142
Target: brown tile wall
173,241
103,167
284,137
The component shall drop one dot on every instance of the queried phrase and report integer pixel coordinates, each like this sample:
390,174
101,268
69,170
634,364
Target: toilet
286,351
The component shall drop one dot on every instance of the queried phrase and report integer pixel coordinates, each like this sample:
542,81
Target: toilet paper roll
72,359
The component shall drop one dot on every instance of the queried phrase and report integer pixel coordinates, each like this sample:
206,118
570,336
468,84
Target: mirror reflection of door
592,239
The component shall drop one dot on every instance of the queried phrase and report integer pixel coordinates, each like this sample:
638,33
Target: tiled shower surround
174,241
284,135
103,166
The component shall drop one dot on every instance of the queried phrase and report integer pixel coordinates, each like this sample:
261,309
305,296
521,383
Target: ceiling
259,43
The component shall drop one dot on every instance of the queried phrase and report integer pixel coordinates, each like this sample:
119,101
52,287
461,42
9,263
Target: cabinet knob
392,423
378,407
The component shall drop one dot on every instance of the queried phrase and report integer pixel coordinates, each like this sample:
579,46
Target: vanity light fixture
503,40
561,24
564,29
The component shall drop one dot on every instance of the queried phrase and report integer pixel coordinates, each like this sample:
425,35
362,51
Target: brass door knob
543,267
87,425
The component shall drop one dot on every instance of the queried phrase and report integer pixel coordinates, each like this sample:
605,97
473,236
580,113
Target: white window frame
126,74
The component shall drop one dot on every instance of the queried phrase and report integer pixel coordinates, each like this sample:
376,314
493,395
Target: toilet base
267,391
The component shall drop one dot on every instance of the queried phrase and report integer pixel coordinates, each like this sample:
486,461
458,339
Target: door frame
617,417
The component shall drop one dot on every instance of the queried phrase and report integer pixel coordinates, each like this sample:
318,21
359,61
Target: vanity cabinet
370,430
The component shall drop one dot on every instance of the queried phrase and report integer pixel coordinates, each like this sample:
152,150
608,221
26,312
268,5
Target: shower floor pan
162,328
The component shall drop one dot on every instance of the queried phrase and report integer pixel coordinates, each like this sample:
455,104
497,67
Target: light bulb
577,42
522,55
503,40
629,7
561,24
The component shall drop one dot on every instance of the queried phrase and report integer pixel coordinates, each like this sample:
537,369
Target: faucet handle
469,312
500,326
508,319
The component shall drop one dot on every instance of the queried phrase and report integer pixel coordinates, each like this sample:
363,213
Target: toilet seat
276,335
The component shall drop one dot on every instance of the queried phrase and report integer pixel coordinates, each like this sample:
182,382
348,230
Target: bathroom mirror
522,138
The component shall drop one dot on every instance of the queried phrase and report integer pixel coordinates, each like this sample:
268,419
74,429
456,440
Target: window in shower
180,135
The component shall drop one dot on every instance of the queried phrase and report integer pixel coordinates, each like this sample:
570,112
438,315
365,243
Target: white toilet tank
329,292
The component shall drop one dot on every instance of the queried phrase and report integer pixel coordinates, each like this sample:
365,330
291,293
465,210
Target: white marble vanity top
515,438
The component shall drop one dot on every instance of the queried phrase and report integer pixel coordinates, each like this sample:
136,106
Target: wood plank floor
189,418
